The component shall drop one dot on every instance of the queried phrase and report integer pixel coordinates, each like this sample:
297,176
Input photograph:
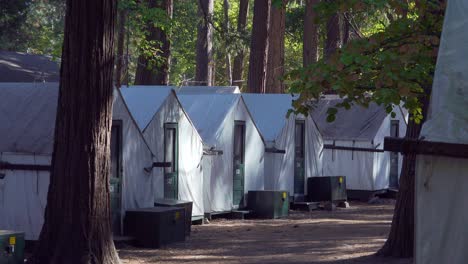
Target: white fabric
207,89
214,116
23,193
441,182
270,114
27,117
144,101
168,110
367,171
448,113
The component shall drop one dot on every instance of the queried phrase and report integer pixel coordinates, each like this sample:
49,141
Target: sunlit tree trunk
259,47
275,62
310,45
237,71
77,227
226,31
155,70
204,57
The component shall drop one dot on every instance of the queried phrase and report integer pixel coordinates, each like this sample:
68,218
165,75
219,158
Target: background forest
36,26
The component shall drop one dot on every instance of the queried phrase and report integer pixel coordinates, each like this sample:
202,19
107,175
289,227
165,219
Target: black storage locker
326,188
268,204
156,226
179,204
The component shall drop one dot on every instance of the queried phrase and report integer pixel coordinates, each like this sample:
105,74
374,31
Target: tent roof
208,111
207,90
145,101
269,112
357,123
27,117
23,67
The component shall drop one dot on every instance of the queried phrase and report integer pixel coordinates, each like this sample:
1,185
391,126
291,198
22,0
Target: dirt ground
349,235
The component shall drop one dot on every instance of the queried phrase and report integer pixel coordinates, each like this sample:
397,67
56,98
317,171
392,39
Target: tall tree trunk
275,63
119,69
401,238
259,47
237,71
310,45
345,31
332,41
204,57
149,72
226,31
77,227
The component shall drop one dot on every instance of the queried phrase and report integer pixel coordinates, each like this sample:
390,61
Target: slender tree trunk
204,57
310,45
226,31
345,29
77,227
275,63
237,71
332,41
119,70
259,47
156,70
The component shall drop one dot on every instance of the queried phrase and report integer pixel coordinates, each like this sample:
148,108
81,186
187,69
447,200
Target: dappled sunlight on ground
350,235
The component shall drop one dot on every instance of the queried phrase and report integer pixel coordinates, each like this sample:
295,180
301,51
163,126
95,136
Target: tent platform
363,195
234,214
305,206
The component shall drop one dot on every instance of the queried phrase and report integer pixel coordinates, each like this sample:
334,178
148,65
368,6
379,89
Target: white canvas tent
279,132
353,145
207,89
27,121
215,116
441,182
157,110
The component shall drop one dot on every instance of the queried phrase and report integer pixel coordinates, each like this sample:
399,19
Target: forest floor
350,235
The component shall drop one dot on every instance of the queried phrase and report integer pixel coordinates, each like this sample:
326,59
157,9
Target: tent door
394,132
239,167
171,177
116,176
299,170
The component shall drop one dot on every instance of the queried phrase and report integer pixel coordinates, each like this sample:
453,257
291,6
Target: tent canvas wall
365,128
207,89
27,121
160,116
217,117
24,67
281,169
441,235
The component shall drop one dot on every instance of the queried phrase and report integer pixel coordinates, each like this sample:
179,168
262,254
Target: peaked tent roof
144,101
23,67
207,89
357,123
269,112
27,117
208,111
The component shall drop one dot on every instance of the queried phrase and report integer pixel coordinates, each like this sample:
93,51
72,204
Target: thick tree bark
119,69
275,62
401,238
226,31
259,47
77,227
345,31
204,57
237,71
156,73
332,41
310,45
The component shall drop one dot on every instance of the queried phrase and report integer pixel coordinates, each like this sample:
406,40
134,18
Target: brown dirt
349,235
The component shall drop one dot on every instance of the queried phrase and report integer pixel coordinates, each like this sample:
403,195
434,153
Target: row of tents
208,145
